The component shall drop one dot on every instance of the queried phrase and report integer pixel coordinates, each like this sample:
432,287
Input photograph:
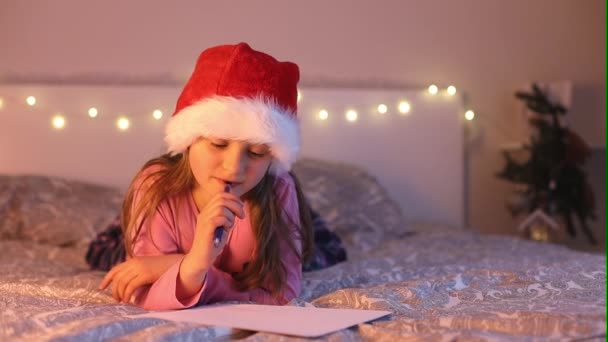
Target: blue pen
219,231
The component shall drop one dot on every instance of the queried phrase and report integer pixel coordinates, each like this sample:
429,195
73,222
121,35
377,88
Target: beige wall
487,48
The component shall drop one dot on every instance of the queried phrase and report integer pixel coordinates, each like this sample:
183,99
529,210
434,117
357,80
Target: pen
219,231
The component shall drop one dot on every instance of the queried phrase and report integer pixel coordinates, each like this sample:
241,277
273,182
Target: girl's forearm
191,277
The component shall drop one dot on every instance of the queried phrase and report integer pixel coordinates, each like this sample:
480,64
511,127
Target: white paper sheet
287,320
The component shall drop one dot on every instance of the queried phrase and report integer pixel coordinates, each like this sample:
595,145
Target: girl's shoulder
286,193
283,184
148,179
148,174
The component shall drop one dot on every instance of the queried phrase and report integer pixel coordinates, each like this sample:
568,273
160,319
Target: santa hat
238,93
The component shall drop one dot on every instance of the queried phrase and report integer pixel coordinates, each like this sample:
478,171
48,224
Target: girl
232,140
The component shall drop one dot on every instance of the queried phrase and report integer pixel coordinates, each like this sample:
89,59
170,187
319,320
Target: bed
441,280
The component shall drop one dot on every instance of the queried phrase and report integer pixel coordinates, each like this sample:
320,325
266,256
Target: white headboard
418,157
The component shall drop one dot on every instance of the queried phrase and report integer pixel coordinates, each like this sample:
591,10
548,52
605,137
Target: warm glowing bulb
299,95
123,123
433,89
93,112
404,107
30,100
469,115
351,115
157,114
451,90
323,114
1,103
382,108
58,121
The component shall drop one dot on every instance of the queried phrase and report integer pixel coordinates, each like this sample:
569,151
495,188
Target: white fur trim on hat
255,120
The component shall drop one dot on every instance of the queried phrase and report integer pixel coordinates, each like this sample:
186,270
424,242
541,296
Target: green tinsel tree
552,178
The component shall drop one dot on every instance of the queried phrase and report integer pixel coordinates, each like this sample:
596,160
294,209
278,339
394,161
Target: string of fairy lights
59,120
403,107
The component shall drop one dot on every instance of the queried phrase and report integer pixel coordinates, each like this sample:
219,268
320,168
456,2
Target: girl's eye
258,151
219,144
257,154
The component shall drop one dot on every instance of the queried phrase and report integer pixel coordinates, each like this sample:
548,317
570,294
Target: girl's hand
220,211
130,275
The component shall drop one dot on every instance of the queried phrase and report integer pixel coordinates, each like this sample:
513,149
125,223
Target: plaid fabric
328,249
108,249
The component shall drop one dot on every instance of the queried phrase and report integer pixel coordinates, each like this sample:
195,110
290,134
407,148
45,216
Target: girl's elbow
288,294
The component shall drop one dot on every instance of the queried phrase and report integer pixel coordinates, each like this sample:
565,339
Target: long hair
158,179
269,224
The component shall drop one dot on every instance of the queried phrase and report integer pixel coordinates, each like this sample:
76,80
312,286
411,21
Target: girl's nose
235,161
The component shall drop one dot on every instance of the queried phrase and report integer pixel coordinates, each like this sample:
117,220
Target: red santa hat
238,93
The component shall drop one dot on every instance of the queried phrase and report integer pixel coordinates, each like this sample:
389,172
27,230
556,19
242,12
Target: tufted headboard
418,156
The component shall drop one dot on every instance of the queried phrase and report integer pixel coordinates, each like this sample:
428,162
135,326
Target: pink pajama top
172,230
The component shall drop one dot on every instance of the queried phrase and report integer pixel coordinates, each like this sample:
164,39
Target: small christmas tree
552,178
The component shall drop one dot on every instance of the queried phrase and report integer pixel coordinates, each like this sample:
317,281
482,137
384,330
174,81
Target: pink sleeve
160,237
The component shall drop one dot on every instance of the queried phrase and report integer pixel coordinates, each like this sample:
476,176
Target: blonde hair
174,177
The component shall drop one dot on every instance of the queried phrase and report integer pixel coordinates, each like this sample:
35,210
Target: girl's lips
231,183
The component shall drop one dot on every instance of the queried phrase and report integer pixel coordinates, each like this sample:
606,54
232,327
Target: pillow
54,211
351,201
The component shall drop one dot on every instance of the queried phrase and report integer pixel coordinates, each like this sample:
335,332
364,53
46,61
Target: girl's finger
228,214
230,196
233,208
123,286
133,285
106,281
110,275
220,221
115,284
120,283
115,291
229,201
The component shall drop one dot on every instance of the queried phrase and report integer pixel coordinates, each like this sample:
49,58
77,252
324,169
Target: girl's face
215,162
